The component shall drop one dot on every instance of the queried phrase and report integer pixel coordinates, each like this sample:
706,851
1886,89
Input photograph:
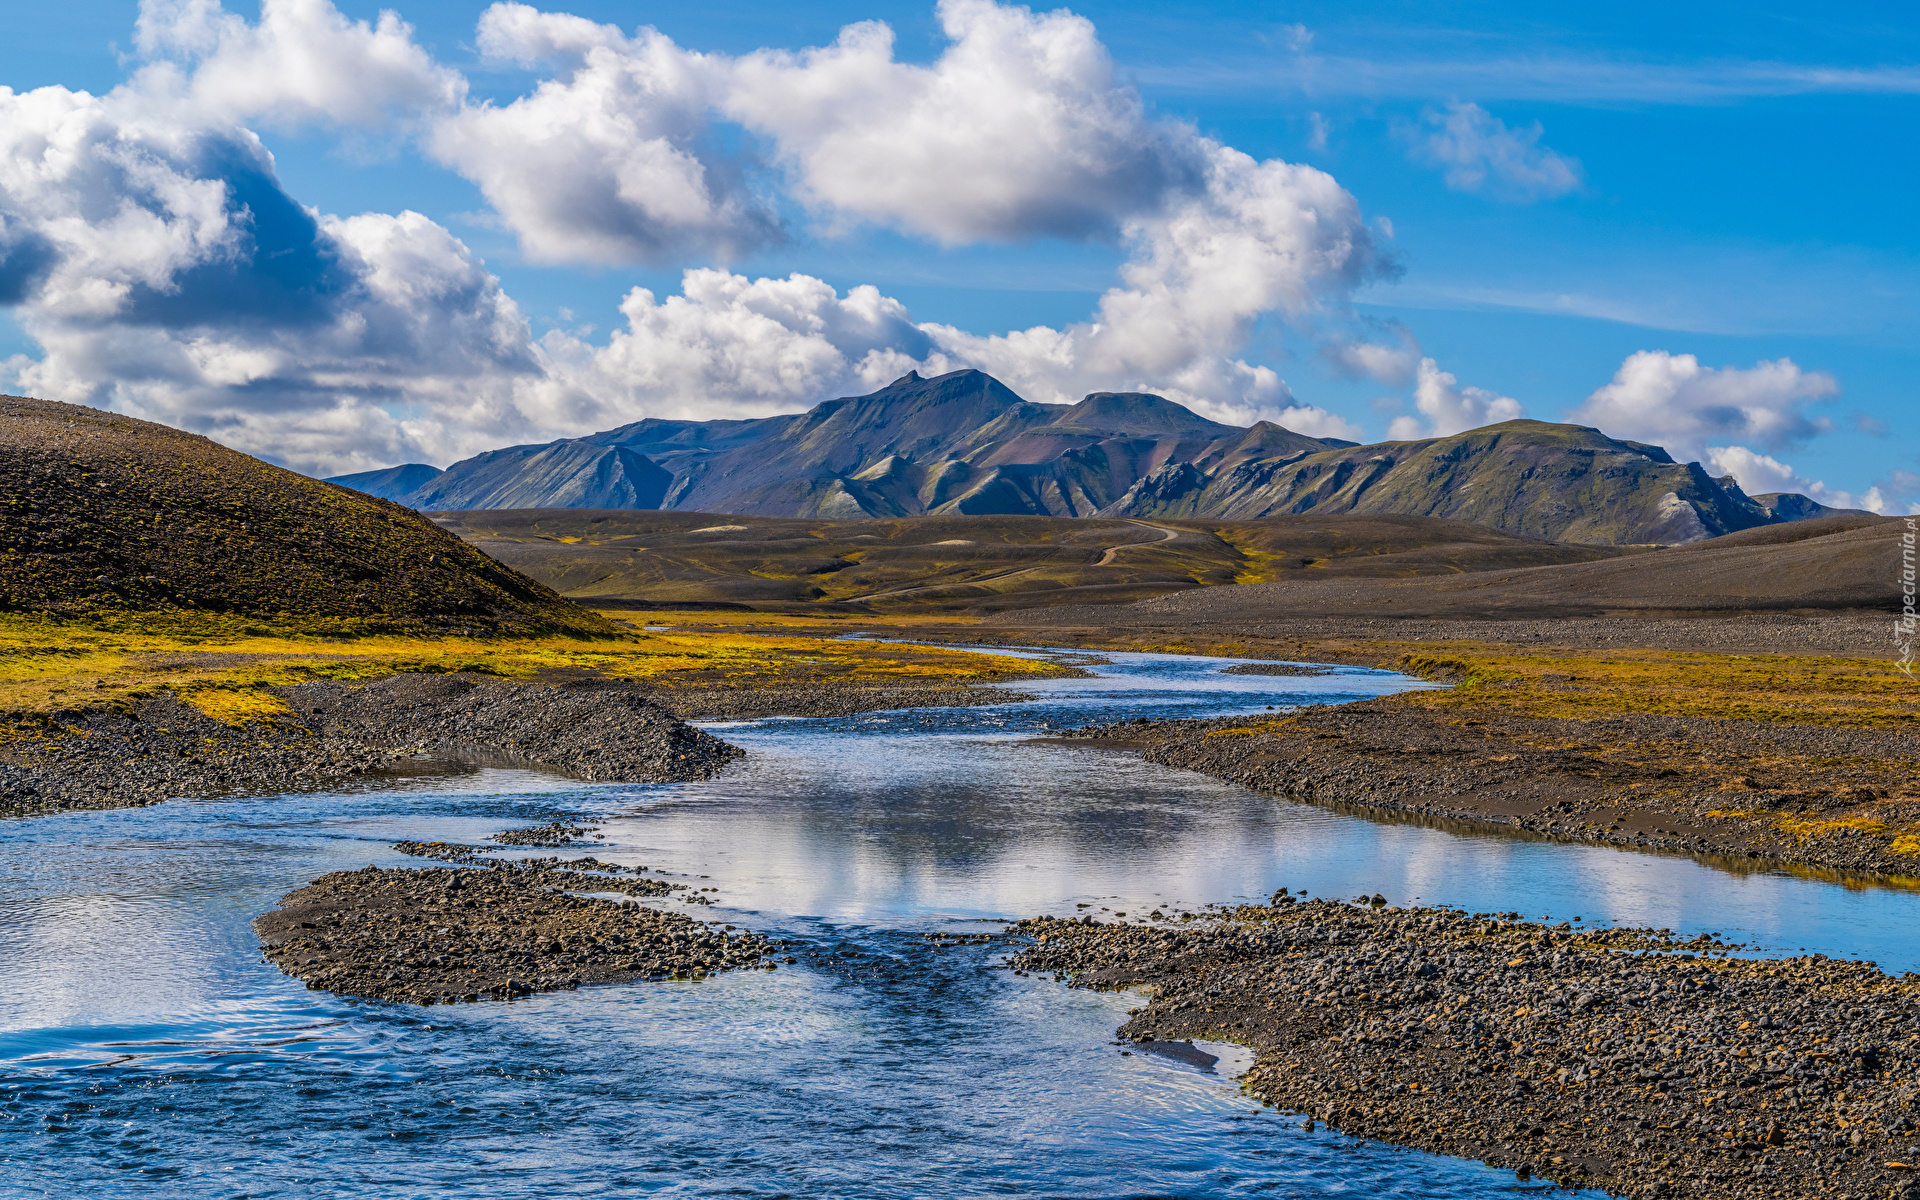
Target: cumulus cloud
1017,130
1673,401
762,345
1263,237
609,161
1761,474
733,346
1388,365
304,62
165,273
1480,153
147,244
1448,408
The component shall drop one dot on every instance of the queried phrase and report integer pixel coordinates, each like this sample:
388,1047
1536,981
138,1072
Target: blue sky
1564,189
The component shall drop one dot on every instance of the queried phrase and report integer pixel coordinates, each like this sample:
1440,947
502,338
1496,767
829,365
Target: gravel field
1613,1058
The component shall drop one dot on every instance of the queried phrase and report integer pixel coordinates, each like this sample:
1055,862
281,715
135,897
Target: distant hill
103,512
963,444
571,474
391,483
1828,563
985,563
1792,506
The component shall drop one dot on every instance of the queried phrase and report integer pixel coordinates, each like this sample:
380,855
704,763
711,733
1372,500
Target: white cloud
1315,421
609,161
1390,366
146,242
1317,130
1450,408
1480,153
302,63
1264,237
1017,130
1761,474
731,346
1673,401
165,273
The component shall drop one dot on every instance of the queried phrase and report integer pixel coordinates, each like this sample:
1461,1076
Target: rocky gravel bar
435,935
1621,1059
155,749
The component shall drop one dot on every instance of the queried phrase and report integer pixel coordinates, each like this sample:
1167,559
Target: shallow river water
147,1050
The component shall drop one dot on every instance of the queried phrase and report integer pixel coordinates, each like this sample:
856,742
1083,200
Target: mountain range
964,444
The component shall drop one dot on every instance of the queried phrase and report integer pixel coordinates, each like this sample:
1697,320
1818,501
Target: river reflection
145,1049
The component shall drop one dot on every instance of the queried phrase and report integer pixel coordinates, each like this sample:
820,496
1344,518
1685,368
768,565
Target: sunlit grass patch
1807,689
1808,828
47,665
236,706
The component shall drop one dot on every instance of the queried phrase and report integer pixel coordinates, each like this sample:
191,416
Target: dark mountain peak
1135,414
909,377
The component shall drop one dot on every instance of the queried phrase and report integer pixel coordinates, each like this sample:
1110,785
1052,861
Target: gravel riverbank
1810,795
161,747
1614,1058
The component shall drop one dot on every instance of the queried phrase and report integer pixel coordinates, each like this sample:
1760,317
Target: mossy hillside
104,513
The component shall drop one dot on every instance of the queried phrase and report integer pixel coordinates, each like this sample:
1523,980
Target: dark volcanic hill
962,444
103,512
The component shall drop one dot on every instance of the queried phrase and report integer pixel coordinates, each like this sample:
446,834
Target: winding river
147,1050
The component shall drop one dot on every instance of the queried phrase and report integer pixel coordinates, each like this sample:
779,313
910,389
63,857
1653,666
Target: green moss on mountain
103,513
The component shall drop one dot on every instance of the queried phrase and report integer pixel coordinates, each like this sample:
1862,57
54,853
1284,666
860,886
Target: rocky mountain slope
1564,482
963,444
102,512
